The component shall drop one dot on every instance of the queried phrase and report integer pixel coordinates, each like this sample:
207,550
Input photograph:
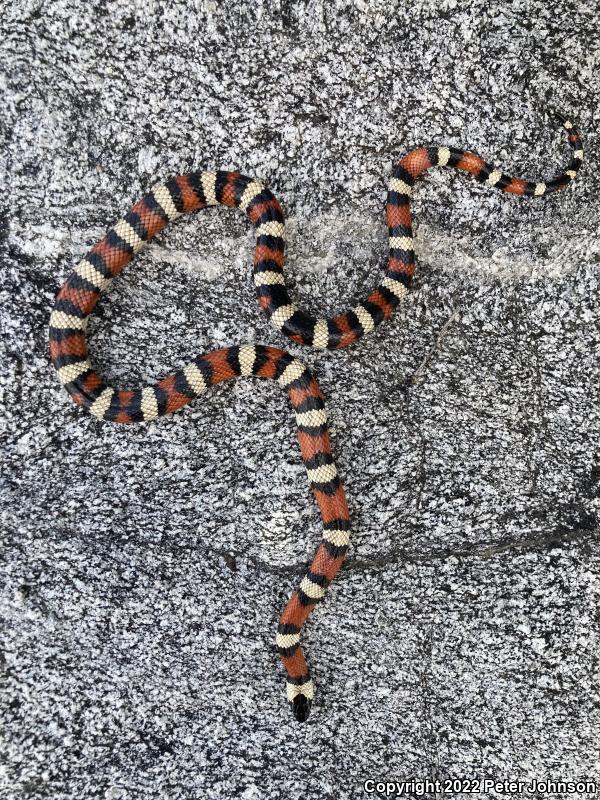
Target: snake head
301,707
562,118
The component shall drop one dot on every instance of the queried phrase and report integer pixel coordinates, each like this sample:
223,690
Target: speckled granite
143,569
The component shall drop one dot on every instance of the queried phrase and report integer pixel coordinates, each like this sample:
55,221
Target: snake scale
197,190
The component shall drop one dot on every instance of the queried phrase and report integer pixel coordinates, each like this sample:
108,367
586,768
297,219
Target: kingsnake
78,297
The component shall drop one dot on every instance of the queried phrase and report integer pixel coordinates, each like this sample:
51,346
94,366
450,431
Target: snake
193,191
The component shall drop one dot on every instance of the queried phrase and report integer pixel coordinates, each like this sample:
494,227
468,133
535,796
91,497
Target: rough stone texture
144,568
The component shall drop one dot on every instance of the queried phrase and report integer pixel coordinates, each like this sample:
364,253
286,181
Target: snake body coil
67,346
80,293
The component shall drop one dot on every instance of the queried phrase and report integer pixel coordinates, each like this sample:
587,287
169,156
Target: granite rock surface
143,568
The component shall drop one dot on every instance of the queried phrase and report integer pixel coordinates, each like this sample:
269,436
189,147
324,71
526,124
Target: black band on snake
79,296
